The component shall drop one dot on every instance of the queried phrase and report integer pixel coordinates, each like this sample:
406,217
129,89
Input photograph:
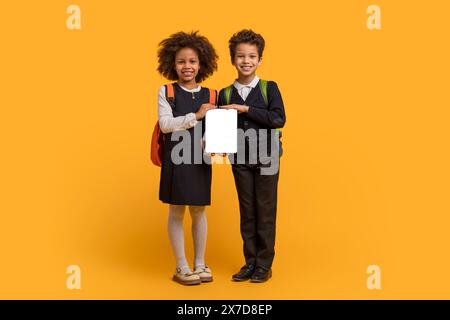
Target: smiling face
246,59
187,65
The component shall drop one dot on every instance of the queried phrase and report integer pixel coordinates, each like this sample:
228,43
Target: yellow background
364,177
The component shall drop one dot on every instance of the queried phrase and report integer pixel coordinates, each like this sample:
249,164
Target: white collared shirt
244,89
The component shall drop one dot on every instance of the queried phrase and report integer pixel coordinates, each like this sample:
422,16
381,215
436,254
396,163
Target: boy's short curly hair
246,36
169,47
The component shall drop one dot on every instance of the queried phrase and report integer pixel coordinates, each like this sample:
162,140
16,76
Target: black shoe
245,273
261,275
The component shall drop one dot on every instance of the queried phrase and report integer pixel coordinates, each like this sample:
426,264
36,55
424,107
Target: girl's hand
201,112
239,107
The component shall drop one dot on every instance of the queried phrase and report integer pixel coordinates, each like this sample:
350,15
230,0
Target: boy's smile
246,60
187,65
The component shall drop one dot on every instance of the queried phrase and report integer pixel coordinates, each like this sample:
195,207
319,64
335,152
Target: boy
260,111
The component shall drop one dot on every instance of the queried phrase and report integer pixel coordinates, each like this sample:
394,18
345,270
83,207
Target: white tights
176,234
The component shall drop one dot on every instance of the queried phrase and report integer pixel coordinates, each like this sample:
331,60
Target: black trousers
258,208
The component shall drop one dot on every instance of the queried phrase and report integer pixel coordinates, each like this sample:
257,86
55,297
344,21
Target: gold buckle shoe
204,272
187,279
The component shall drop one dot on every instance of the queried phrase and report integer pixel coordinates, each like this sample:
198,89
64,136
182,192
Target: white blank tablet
221,131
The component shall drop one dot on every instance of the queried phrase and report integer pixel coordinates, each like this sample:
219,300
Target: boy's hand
239,107
201,112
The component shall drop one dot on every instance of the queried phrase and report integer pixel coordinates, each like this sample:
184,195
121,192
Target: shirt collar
197,89
252,84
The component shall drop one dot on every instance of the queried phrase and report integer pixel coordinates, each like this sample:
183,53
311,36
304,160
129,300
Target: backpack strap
212,97
227,94
263,87
170,94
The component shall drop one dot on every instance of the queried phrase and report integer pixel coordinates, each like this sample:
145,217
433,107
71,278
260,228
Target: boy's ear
260,61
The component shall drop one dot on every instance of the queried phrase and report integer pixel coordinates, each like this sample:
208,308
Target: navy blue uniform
185,184
257,193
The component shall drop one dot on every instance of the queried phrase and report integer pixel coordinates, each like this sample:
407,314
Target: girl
187,58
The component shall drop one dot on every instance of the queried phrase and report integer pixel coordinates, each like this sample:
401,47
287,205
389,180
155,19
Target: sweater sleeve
274,116
169,123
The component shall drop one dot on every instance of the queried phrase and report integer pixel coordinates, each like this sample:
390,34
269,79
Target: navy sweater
260,115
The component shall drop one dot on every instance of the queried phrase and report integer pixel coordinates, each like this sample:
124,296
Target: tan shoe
204,273
187,279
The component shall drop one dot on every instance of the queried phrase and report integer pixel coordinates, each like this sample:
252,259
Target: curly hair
169,47
246,36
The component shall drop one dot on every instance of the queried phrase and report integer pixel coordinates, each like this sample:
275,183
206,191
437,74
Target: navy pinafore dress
185,184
